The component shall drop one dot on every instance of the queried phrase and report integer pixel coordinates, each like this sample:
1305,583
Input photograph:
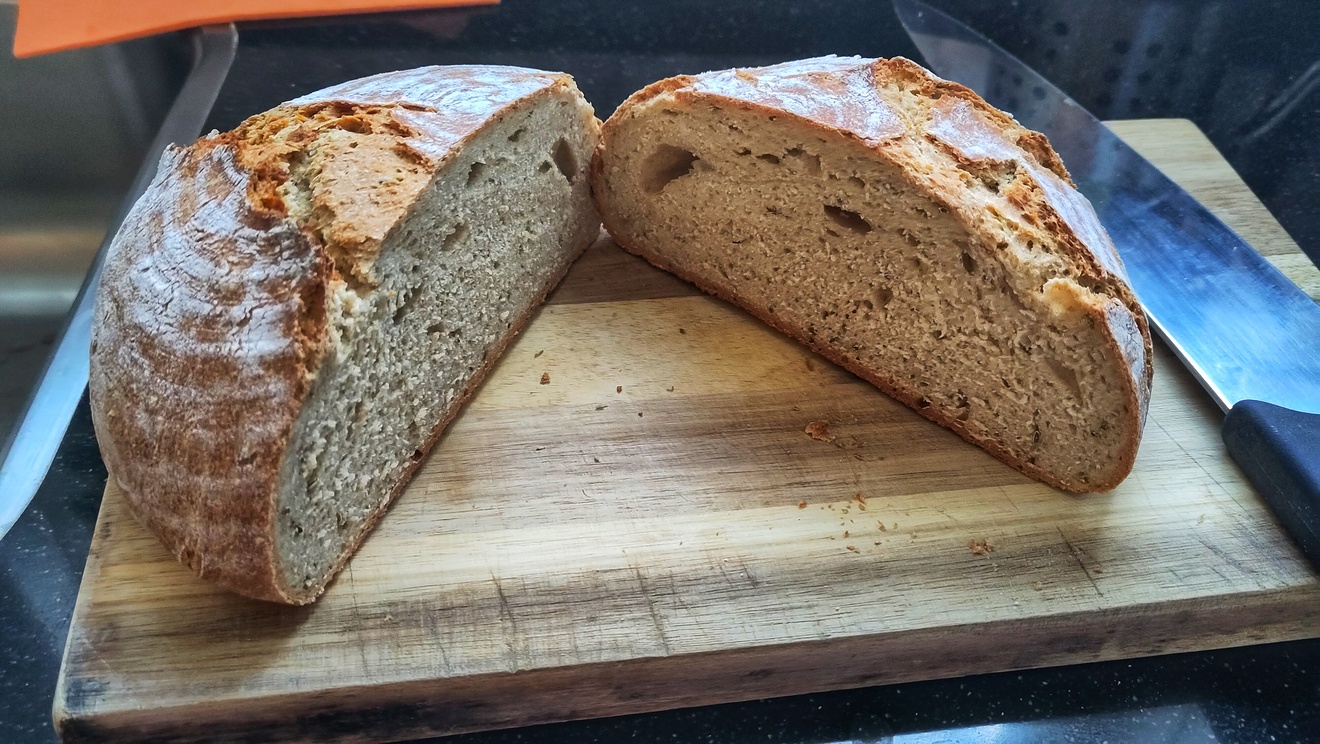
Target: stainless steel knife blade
1248,334
26,457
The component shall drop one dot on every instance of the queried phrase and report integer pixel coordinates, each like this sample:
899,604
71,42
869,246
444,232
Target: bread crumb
595,459
669,389
810,367
1201,519
861,501
845,533
545,378
853,548
981,547
1037,586
1098,570
802,504
618,389
819,430
538,354
601,408
682,330
881,525
639,414
796,408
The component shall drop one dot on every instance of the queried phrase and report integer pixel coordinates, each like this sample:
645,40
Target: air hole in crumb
517,135
475,172
855,181
772,159
405,307
847,219
969,263
455,236
435,329
664,166
742,151
543,167
923,403
565,160
883,295
1068,377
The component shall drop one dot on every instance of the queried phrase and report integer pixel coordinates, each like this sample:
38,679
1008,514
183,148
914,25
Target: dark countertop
1245,72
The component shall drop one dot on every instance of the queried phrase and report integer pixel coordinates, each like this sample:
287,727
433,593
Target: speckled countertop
1245,72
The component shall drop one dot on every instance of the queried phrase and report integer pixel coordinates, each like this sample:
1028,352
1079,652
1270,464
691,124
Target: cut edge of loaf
489,296
793,91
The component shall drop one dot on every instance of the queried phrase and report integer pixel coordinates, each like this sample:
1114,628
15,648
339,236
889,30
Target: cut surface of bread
295,309
902,227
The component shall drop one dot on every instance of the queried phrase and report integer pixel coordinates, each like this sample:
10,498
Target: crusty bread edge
267,584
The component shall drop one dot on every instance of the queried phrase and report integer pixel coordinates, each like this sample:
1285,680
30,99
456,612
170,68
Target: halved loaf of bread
295,309
904,228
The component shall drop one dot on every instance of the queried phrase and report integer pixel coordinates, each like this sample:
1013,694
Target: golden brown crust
868,101
211,319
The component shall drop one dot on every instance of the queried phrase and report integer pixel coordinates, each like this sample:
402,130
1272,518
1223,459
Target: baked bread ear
899,225
295,309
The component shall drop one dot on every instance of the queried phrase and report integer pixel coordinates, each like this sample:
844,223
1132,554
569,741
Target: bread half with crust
899,225
295,309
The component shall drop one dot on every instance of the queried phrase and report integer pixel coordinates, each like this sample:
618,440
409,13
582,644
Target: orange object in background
55,25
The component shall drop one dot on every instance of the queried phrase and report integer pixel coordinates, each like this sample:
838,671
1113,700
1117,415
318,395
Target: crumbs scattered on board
545,378
819,430
861,500
981,547
1038,586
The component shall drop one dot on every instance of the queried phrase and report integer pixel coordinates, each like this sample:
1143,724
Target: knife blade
27,455
1249,335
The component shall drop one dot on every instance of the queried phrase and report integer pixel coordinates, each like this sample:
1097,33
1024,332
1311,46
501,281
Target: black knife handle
1279,450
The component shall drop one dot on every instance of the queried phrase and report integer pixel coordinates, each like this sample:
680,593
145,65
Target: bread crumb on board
981,547
861,500
1037,586
545,378
819,430
881,525
538,354
802,504
853,548
618,389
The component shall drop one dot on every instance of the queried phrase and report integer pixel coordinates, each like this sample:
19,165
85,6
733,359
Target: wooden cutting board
572,551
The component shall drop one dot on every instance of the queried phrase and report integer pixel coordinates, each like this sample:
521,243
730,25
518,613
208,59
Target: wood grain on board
571,551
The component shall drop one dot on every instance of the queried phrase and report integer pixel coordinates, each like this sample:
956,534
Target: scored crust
211,319
863,100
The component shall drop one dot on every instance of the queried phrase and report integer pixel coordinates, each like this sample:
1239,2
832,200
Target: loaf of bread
902,227
294,310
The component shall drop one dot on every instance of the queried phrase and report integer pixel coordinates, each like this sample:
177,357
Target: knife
1247,333
26,457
